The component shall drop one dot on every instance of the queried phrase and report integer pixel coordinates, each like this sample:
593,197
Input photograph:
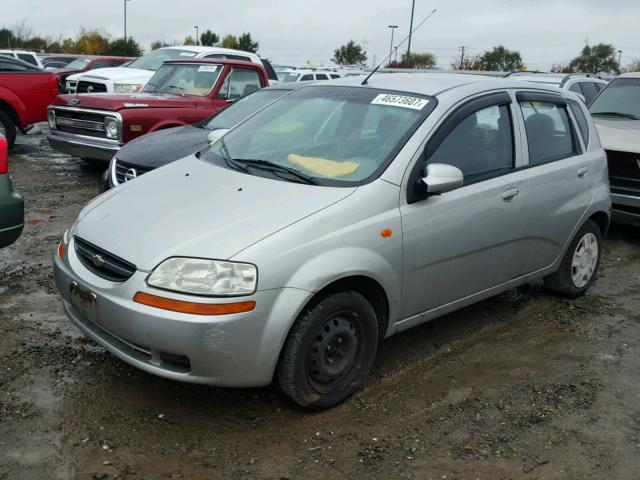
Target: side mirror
442,178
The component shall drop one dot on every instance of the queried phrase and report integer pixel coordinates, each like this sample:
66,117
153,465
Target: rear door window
583,124
481,145
26,57
321,76
549,133
589,91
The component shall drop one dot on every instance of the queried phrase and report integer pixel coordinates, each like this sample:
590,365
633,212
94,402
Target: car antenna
364,82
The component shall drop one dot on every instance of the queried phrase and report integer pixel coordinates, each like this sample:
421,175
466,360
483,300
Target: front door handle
509,195
582,171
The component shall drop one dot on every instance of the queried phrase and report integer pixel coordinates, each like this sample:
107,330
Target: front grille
103,263
121,169
624,169
81,123
90,87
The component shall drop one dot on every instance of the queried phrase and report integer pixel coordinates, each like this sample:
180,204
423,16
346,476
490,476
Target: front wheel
329,351
7,128
579,266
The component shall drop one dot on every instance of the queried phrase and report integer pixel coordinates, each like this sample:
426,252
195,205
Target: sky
300,31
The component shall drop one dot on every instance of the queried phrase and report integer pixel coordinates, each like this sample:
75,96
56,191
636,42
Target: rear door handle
582,171
510,194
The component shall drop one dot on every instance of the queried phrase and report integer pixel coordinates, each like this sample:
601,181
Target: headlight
205,277
127,87
51,116
111,127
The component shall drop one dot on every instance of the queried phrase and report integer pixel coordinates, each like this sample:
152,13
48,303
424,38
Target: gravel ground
522,386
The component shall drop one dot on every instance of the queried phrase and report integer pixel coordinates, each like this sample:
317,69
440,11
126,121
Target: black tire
329,351
9,128
563,281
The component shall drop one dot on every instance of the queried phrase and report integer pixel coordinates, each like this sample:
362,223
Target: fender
166,124
320,271
10,98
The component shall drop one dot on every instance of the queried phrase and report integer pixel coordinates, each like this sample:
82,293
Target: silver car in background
335,217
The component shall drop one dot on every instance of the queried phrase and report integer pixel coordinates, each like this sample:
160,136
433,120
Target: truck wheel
579,266
7,128
329,351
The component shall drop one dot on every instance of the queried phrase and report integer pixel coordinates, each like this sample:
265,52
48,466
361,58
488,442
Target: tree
501,59
230,41
189,40
561,68
208,38
595,59
634,66
93,42
7,40
468,63
246,43
116,48
350,54
159,44
21,32
416,60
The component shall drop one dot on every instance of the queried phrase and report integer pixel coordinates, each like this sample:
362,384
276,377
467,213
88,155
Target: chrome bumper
83,146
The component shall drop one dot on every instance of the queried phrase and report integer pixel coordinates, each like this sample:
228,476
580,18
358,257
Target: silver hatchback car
335,217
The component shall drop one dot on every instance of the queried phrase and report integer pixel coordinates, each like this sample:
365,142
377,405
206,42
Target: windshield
244,107
185,79
153,60
79,63
337,136
286,77
621,96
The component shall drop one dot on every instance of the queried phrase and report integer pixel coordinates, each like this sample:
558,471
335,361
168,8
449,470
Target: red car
181,92
25,93
84,64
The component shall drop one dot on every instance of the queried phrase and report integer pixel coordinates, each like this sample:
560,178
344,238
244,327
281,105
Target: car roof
436,84
294,85
216,61
629,75
201,49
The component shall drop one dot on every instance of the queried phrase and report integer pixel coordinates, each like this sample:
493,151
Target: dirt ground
523,386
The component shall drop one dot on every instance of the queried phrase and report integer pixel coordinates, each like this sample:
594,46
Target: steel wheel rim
585,259
333,351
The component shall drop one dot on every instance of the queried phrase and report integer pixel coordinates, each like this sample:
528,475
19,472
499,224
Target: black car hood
162,147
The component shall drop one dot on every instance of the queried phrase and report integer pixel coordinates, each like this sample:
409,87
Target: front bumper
238,350
83,146
11,212
626,208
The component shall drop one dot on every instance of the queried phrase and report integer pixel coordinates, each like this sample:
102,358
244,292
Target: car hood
621,135
164,146
109,101
119,74
194,208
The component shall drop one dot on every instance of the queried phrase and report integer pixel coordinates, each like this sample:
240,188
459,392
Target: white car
586,85
287,76
24,55
135,75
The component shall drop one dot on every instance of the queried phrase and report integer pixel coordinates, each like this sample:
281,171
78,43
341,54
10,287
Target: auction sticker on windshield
414,103
208,68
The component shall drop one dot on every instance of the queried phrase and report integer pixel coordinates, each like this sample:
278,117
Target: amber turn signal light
61,250
386,233
192,307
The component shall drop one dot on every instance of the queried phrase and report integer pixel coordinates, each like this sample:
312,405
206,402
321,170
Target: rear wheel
579,266
329,351
8,128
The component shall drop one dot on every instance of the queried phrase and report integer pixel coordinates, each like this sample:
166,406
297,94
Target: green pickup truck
11,203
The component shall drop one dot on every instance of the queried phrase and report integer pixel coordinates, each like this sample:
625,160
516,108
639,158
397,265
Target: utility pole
413,6
393,28
619,59
197,36
462,49
125,27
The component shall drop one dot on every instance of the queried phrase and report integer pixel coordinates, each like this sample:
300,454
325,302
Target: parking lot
522,386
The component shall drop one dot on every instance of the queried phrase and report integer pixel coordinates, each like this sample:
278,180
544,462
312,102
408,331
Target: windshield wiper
276,167
616,114
231,163
180,89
